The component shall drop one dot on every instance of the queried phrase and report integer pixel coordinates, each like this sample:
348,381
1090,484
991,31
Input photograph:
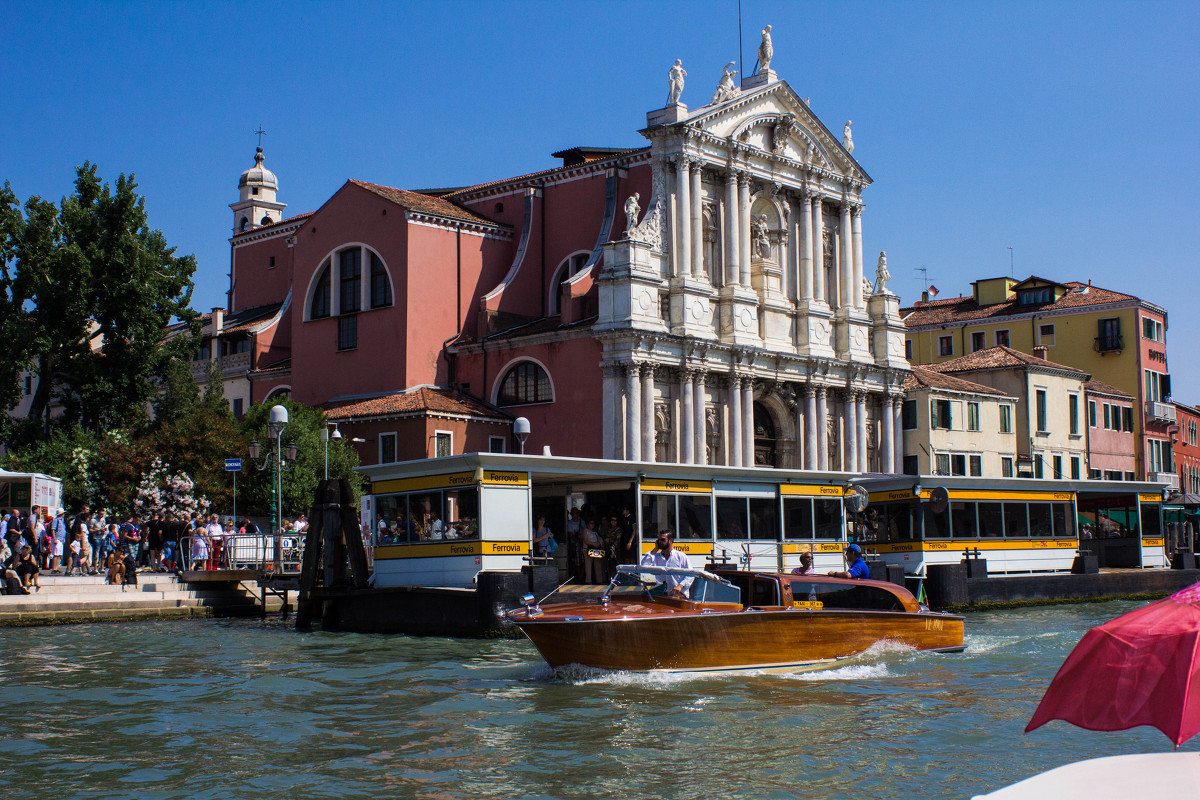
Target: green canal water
221,709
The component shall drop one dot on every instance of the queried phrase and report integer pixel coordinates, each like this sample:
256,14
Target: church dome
258,175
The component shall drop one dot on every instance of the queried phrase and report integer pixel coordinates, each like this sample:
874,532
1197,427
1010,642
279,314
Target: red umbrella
1142,668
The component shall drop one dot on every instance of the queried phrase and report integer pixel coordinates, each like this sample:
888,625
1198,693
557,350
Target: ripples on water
212,709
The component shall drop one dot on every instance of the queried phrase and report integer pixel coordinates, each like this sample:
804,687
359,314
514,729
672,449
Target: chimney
218,321
924,297
1040,351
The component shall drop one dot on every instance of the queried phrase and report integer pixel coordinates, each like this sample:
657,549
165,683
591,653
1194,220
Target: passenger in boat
806,565
664,554
855,566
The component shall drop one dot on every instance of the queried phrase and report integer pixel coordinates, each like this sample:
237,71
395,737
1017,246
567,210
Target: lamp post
521,431
277,422
336,435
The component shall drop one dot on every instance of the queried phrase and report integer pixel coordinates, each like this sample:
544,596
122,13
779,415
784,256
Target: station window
425,516
688,515
805,518
962,520
891,522
747,517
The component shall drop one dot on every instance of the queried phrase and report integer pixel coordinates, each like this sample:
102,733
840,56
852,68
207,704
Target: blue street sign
233,465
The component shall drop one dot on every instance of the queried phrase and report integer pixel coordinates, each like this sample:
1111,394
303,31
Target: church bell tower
256,204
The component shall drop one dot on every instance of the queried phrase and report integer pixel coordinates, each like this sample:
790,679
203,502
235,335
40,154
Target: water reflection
231,709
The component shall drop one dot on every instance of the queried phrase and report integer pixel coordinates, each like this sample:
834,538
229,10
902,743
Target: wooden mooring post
335,560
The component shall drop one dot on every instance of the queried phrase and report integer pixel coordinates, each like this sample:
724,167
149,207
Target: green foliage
71,454
300,477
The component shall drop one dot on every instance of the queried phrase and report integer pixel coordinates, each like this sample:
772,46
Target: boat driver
664,554
855,566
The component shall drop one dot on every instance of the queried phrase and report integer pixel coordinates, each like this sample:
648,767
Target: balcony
1110,344
1169,478
1159,412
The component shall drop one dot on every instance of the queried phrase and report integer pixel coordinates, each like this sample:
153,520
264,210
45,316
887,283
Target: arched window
525,383
569,268
245,223
350,273
381,287
265,221
320,298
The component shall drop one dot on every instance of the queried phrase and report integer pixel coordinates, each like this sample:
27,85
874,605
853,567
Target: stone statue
868,287
762,236
675,77
726,90
765,50
881,273
847,139
632,210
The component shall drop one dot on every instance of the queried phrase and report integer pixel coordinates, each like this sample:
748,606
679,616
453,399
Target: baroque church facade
703,299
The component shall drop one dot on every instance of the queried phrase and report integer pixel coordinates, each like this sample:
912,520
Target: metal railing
279,553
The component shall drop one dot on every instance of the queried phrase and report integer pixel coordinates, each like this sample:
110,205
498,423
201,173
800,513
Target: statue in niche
882,276
784,127
847,139
632,209
675,79
762,237
765,50
726,89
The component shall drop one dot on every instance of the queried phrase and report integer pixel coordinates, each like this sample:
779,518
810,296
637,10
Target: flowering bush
160,490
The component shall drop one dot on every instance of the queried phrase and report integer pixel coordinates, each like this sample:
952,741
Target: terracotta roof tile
964,309
1100,387
426,204
999,357
925,378
481,186
415,402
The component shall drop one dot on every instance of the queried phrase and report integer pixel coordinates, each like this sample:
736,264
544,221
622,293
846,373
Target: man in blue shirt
856,567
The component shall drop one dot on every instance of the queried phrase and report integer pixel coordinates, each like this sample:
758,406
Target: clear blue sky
1065,130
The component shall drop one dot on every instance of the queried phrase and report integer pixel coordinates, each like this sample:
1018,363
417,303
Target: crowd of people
91,542
596,543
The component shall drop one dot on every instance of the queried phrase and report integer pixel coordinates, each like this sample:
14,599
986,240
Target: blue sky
1066,131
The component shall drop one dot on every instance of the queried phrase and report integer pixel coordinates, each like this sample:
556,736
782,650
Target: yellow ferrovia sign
797,490
691,548
443,549
1149,497
489,477
1154,542
676,485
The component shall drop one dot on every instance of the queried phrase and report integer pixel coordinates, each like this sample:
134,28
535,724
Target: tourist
130,537
806,565
108,544
114,566
200,546
592,547
216,535
153,544
664,554
171,529
130,573
627,544
855,566
75,563
437,528
27,569
542,537
10,581
59,527
97,527
301,524
577,552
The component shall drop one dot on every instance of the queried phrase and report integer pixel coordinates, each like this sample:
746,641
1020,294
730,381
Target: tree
300,477
88,292
70,454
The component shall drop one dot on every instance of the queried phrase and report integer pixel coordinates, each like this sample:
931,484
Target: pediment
775,120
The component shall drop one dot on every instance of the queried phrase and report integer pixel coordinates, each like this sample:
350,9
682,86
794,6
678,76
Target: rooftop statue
847,139
765,50
676,76
881,273
632,210
726,90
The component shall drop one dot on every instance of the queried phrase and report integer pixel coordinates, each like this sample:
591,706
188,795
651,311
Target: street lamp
325,437
521,431
275,425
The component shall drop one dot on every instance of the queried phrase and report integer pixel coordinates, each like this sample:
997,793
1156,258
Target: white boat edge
1156,776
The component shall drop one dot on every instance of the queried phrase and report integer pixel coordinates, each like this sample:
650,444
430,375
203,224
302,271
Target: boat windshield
705,587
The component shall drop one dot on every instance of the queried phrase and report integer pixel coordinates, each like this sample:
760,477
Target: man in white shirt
664,554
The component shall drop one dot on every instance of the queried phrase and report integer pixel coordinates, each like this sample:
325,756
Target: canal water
225,709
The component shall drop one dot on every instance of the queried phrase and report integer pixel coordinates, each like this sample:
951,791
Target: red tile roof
415,402
925,378
964,309
1099,387
425,204
999,357
481,186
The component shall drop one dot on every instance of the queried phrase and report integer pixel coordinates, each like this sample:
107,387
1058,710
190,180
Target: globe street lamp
336,435
276,423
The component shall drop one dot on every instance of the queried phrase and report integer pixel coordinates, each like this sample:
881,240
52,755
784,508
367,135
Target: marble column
648,439
744,228
611,402
846,260
898,431
733,247
683,216
849,432
748,422
734,448
686,418
860,401
697,222
856,229
886,448
699,428
798,451
806,250
633,405
810,427
822,423
818,245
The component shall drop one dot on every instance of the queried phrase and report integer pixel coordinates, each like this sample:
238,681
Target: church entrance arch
765,437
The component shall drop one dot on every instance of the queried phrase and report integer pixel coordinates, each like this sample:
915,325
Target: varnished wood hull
766,639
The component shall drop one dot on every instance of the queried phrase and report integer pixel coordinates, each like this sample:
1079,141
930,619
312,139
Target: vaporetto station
441,522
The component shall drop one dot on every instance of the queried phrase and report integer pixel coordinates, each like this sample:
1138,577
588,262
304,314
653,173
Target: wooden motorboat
731,620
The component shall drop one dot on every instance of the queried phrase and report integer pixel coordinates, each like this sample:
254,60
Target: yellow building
954,426
1116,338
